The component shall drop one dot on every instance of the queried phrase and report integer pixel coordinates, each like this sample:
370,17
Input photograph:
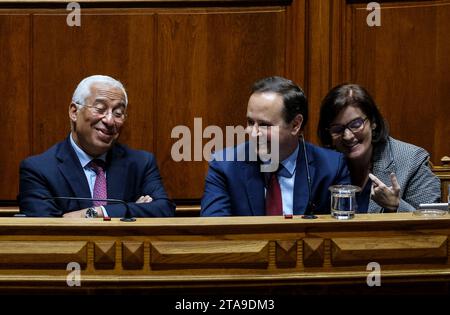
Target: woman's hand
387,197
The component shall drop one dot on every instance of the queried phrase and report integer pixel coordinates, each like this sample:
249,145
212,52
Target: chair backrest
443,173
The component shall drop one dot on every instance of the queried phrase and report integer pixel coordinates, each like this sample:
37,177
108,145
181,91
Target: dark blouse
363,197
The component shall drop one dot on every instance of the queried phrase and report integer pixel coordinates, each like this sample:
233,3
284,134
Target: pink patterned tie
100,182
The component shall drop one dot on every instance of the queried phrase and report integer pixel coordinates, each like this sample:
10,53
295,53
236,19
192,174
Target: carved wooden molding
132,255
104,255
313,252
286,253
42,254
406,249
212,254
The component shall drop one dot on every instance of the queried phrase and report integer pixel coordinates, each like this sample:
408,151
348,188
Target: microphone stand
311,206
126,218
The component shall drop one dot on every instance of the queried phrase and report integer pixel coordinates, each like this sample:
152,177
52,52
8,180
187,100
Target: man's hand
387,197
82,213
144,199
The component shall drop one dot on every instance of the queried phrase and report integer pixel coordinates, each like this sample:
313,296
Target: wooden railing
256,253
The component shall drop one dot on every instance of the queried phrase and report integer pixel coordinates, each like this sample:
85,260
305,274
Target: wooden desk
231,253
181,211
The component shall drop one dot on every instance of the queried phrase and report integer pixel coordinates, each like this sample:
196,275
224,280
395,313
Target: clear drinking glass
343,201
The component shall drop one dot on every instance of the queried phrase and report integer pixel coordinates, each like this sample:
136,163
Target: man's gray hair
83,89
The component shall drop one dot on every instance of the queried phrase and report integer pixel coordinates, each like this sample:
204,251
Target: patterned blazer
417,182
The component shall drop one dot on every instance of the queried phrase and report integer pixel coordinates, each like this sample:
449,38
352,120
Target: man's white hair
83,90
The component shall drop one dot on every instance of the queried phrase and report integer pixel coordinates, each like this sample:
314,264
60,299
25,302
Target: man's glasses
356,125
119,115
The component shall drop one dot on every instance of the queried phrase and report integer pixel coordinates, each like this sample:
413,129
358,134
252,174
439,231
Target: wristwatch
91,213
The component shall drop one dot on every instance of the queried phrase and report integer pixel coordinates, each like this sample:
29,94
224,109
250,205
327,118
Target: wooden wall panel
207,63
119,45
318,61
296,43
405,64
181,62
15,113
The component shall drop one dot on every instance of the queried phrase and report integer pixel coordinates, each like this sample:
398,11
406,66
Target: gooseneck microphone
126,218
311,208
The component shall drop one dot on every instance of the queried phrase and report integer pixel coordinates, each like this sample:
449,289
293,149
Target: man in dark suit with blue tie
236,184
90,163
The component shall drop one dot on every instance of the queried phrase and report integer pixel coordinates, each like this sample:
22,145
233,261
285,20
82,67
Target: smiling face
265,111
357,145
93,132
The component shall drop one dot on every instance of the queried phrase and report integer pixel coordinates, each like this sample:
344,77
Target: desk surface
221,253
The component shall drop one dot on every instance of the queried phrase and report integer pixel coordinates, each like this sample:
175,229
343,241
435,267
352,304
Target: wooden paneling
224,254
207,63
297,43
16,109
119,45
318,61
405,64
180,61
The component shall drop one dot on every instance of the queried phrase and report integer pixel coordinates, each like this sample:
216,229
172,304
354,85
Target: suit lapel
382,168
254,185
301,191
116,173
72,171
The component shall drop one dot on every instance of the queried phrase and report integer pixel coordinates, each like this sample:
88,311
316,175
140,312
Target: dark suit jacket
237,187
58,172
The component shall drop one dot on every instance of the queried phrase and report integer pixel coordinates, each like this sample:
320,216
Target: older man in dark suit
90,163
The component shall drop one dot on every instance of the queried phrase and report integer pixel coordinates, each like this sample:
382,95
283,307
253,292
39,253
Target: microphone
126,218
311,208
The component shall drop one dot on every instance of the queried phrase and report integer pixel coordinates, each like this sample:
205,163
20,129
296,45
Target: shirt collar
290,162
83,157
